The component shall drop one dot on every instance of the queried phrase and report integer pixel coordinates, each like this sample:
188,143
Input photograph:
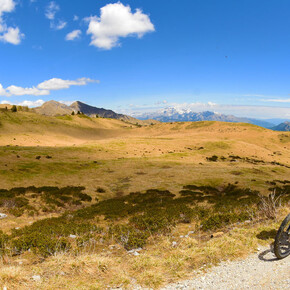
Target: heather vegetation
130,220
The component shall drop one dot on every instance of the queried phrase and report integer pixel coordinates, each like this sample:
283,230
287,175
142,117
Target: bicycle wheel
282,241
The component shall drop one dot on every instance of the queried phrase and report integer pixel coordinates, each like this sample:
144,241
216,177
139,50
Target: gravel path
258,271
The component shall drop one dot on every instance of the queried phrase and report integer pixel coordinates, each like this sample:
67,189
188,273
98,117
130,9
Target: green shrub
213,158
223,219
128,236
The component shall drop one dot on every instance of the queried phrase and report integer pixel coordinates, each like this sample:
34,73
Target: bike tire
282,243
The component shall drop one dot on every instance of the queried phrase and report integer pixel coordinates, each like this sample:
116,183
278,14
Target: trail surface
258,271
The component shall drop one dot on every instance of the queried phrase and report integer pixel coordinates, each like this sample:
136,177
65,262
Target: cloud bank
116,21
44,88
8,34
256,112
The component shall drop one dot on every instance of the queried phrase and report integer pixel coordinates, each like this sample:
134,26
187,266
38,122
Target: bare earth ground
258,271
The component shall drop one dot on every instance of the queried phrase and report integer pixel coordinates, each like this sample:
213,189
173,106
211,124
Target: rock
135,252
216,235
174,244
36,278
3,215
73,236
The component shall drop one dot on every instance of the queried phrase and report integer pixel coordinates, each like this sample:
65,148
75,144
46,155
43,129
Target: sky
144,55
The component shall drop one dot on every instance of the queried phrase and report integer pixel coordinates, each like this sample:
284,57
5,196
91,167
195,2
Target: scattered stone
3,215
73,236
174,244
36,278
135,252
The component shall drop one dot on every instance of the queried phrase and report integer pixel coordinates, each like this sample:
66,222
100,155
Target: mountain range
54,108
182,115
282,127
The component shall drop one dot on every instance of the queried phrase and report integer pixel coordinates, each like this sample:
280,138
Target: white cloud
6,6
9,34
51,10
44,88
59,84
73,35
76,18
2,91
117,21
19,91
27,103
255,112
68,103
12,35
278,100
59,25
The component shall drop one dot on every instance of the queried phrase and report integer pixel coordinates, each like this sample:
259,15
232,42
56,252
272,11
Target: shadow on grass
266,235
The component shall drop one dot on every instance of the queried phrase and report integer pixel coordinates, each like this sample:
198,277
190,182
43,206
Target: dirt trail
258,271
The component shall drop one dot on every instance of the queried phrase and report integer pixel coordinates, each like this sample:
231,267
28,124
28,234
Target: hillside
282,127
53,108
28,129
96,197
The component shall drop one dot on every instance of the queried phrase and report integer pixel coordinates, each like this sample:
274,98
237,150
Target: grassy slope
122,158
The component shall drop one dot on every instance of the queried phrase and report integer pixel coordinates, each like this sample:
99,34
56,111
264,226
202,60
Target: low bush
129,237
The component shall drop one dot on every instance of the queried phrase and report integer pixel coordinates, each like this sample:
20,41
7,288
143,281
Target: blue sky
143,55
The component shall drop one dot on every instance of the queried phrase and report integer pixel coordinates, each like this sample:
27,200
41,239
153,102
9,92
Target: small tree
73,113
78,113
97,116
14,109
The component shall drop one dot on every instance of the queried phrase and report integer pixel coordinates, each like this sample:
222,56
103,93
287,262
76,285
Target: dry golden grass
122,158
159,263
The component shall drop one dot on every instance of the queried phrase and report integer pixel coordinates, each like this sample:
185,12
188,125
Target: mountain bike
282,240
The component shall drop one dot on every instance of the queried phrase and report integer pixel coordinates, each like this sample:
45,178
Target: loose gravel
259,271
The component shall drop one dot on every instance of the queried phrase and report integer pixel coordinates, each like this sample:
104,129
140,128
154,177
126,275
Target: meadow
95,203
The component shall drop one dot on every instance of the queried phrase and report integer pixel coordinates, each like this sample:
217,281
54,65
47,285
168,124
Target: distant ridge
93,111
173,115
282,127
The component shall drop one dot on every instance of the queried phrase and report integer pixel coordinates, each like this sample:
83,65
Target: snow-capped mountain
186,114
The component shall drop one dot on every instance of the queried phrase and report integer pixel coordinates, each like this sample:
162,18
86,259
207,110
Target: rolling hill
54,108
